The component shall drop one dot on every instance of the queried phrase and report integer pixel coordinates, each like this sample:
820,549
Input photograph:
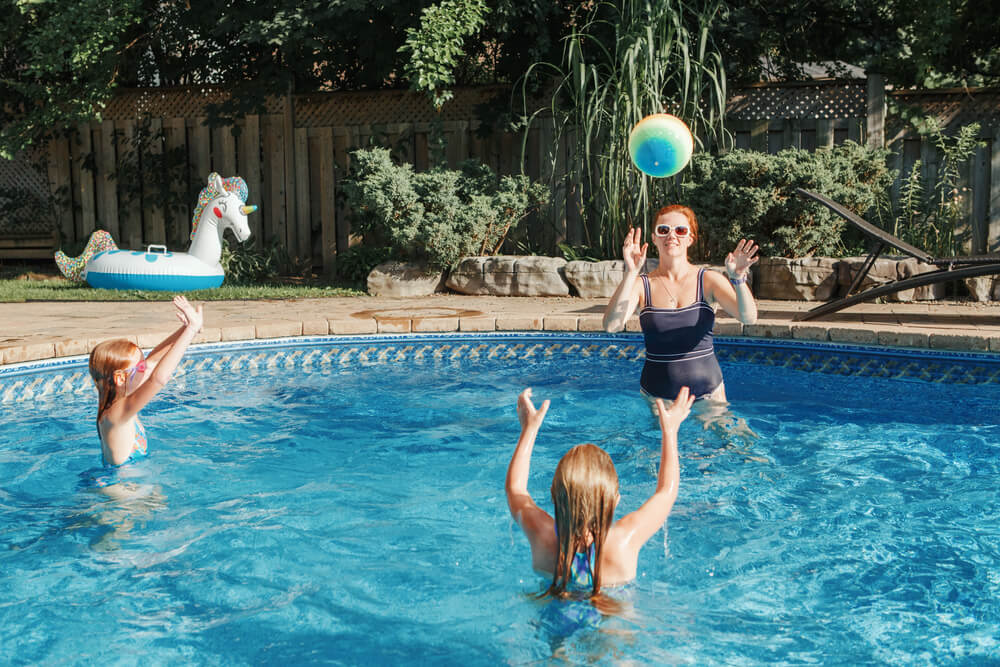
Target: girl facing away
126,381
584,549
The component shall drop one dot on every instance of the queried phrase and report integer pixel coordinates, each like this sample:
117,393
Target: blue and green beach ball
660,145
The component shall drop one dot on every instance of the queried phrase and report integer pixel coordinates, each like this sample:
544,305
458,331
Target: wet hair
105,359
584,492
683,210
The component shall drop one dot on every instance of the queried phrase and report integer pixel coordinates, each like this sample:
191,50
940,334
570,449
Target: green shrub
249,264
355,263
439,215
747,194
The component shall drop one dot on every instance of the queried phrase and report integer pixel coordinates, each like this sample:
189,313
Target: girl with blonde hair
126,381
583,548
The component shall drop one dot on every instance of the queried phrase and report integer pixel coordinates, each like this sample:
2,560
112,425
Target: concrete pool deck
44,330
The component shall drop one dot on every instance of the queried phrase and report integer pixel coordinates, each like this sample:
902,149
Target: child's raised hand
526,411
671,417
188,314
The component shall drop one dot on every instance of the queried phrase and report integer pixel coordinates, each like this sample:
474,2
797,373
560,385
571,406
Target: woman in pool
678,328
126,382
583,548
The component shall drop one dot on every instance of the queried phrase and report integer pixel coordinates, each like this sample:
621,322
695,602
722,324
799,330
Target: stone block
560,322
595,280
510,276
899,338
884,270
317,327
404,279
29,352
909,267
394,325
804,278
727,327
964,342
71,347
426,324
279,329
590,323
850,335
519,323
353,325
767,330
810,332
207,335
238,332
980,288
477,324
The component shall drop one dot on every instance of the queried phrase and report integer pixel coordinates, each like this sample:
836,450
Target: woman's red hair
683,210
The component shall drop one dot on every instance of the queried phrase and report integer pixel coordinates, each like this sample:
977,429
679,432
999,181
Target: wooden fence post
875,111
994,219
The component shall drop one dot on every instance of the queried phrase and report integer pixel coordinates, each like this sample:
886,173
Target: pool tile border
45,378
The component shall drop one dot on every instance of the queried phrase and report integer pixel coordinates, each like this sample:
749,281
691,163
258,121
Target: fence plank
249,169
131,201
107,193
994,207
275,222
979,182
85,180
224,151
288,147
200,150
759,135
327,204
179,205
153,186
60,184
303,224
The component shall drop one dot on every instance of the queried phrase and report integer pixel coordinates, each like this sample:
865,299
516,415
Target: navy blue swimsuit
679,348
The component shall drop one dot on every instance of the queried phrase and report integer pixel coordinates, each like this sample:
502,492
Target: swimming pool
342,502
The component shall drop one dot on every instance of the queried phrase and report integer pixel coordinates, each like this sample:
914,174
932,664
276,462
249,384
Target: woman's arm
192,322
626,297
734,294
532,519
643,523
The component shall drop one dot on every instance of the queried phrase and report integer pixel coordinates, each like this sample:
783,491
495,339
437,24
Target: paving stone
33,352
477,324
315,327
207,335
353,325
851,335
71,347
278,329
590,323
238,332
965,342
727,328
767,330
519,323
899,338
810,332
561,322
633,324
435,324
394,325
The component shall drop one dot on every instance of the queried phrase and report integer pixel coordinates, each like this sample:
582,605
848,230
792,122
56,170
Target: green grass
59,289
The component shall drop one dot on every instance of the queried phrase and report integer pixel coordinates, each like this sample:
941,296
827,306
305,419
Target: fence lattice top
822,99
955,108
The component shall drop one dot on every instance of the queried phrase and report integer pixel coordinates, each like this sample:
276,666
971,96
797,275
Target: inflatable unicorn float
221,206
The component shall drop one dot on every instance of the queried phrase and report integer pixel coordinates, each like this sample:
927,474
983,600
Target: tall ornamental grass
621,62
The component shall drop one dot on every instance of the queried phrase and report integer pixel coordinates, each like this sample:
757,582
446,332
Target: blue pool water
353,513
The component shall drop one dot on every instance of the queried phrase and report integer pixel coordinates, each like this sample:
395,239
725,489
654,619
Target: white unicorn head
221,206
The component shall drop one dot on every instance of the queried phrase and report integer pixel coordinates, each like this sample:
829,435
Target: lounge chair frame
952,268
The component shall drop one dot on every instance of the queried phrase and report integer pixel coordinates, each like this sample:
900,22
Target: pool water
357,514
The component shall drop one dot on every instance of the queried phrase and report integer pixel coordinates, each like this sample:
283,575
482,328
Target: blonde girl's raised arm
192,319
532,519
643,523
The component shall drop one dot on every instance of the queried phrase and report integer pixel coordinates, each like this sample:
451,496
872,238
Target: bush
747,194
437,216
355,263
248,264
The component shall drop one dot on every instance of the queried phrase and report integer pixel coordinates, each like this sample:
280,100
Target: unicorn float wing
221,206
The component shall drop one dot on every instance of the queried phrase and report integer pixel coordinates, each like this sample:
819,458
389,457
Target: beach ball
660,145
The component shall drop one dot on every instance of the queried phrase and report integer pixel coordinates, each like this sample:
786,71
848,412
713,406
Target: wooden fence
137,172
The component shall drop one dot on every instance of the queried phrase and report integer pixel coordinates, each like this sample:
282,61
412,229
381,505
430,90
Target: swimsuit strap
701,290
645,286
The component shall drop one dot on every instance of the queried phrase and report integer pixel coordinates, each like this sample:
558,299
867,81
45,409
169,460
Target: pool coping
43,335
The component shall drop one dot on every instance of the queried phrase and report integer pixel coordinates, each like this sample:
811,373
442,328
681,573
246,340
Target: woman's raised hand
527,413
188,314
739,261
671,417
634,251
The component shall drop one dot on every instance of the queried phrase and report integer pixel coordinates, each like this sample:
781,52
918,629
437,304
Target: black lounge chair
951,268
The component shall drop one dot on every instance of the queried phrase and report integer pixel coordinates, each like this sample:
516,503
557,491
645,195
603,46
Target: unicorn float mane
233,184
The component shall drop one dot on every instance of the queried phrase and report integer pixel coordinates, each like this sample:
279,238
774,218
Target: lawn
20,284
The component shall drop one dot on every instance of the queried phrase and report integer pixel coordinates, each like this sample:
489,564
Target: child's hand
526,412
188,314
671,418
